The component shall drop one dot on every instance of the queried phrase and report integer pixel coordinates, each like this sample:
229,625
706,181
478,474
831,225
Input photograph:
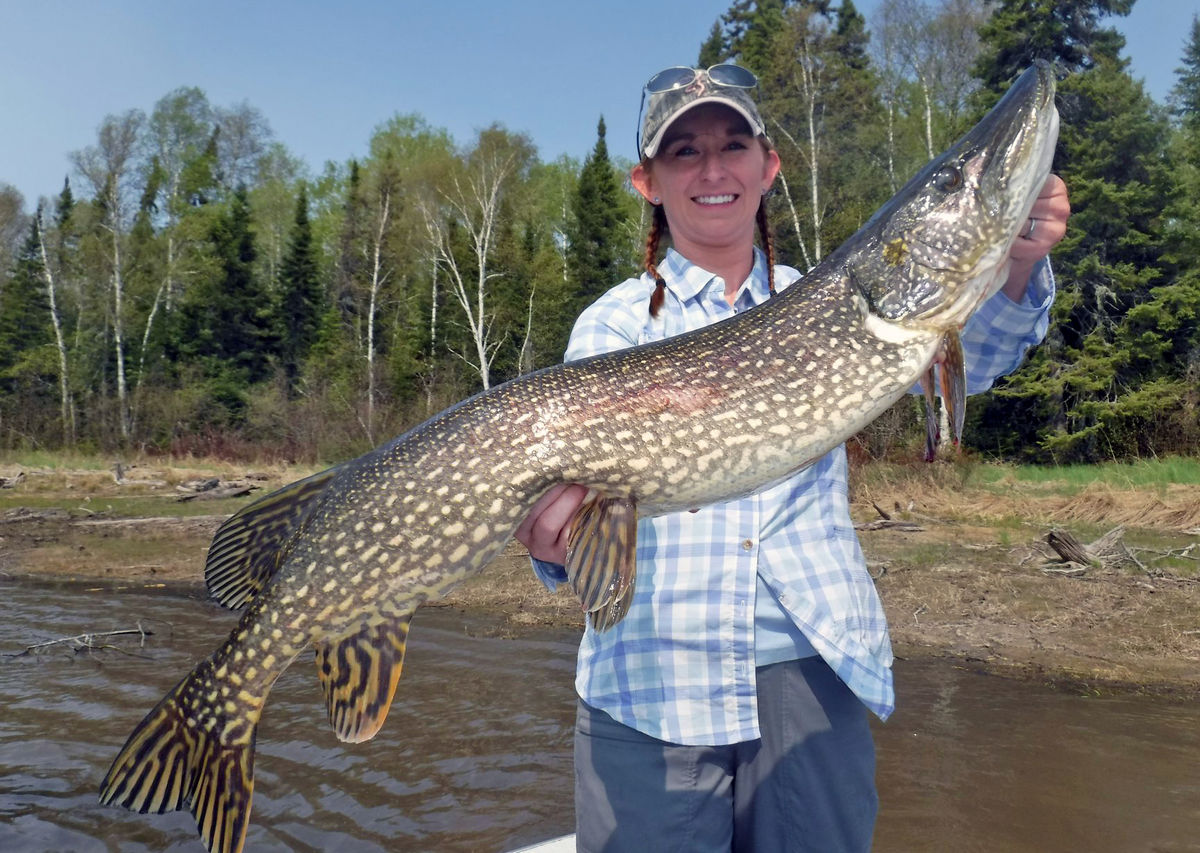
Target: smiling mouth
726,198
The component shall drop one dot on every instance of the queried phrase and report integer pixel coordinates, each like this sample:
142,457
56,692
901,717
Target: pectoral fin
358,673
932,431
601,558
951,377
953,374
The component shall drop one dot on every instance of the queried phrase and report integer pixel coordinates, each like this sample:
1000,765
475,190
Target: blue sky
325,75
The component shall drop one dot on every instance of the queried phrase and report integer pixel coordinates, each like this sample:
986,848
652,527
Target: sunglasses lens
732,75
670,78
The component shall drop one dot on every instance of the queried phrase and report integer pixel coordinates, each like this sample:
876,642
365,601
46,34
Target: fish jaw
934,253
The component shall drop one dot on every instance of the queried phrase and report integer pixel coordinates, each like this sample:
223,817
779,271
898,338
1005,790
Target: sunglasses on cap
681,76
690,84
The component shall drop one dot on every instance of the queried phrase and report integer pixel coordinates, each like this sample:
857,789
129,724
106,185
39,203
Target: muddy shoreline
980,591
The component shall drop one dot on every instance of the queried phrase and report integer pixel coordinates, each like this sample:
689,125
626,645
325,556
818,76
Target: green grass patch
1142,474
121,506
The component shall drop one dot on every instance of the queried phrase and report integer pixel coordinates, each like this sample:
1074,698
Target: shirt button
747,544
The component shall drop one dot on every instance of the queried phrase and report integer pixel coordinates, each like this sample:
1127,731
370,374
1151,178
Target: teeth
715,199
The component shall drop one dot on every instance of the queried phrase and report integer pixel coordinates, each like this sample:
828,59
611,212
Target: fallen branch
890,524
79,642
1069,548
217,494
1070,572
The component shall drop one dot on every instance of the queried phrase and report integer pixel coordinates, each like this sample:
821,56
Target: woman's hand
1048,218
545,530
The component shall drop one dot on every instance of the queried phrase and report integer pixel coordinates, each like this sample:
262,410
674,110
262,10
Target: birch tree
378,272
472,203
66,406
795,96
935,45
107,168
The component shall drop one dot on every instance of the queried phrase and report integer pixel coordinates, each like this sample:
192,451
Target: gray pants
807,785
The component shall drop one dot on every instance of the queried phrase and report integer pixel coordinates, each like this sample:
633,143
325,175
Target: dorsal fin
245,549
601,557
358,674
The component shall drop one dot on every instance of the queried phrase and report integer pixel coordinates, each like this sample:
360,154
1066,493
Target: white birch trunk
66,407
378,277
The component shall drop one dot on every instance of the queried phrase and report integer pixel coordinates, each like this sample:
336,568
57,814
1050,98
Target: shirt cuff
550,574
1017,317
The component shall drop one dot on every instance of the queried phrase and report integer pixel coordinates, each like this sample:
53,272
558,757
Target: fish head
939,248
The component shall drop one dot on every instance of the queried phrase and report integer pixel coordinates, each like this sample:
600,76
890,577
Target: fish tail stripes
172,761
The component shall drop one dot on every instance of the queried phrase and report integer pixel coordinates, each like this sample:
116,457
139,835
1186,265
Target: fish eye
948,179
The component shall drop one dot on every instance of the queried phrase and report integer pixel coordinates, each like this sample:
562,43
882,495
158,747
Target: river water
476,752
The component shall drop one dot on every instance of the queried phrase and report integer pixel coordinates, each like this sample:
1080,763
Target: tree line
193,287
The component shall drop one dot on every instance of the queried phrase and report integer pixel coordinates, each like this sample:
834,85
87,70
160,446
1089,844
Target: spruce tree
24,308
301,297
712,51
27,361
226,323
1185,95
1086,392
594,252
1066,32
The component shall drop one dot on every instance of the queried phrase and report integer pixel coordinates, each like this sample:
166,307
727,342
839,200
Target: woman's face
709,174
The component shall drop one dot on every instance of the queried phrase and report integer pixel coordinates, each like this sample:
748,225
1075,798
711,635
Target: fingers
545,530
1047,223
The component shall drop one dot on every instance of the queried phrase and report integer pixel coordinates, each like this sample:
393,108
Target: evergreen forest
194,288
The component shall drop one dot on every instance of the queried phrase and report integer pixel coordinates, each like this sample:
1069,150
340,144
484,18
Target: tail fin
173,760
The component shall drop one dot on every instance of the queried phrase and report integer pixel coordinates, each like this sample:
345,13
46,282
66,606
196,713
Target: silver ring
1029,233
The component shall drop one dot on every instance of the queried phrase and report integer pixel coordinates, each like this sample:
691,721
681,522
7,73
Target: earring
657,200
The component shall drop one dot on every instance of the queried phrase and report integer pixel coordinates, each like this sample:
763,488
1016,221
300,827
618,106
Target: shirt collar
686,280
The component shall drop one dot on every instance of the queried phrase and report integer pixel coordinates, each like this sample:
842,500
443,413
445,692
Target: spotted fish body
340,561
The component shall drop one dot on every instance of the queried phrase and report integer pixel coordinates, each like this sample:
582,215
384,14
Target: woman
727,710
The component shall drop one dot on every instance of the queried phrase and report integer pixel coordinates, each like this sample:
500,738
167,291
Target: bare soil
964,573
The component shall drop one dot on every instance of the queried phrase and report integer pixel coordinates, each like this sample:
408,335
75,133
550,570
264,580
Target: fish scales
340,561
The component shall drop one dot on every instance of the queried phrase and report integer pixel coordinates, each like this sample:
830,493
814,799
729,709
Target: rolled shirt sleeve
997,337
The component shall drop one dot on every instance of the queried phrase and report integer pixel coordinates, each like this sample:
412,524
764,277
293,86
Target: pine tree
225,325
712,51
594,253
1104,382
1185,95
27,360
302,299
1067,32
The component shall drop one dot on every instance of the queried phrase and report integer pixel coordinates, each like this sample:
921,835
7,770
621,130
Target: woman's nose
710,165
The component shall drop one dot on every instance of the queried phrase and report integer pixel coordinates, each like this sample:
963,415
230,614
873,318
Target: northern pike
341,560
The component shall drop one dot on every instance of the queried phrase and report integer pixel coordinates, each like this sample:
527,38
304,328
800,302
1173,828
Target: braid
657,226
768,243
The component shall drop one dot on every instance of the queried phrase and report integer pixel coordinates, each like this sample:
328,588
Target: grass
84,485
1144,473
119,506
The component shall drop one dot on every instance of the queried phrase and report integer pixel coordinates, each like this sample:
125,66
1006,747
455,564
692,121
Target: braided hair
658,226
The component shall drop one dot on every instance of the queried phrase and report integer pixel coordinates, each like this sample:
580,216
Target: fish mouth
941,246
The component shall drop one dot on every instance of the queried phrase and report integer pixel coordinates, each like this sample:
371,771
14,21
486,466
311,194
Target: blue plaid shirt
774,576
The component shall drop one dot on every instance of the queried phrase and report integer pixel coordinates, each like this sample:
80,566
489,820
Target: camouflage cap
722,84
